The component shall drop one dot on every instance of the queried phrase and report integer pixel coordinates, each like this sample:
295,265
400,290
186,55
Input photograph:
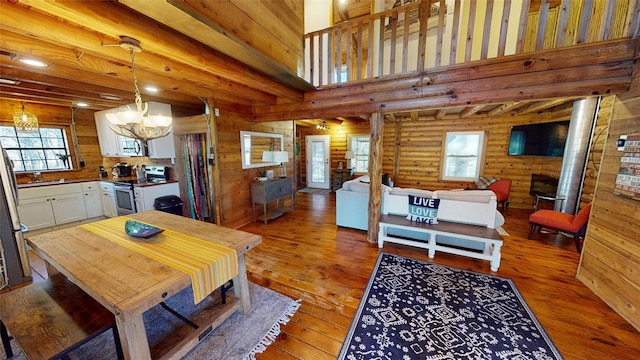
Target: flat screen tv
544,139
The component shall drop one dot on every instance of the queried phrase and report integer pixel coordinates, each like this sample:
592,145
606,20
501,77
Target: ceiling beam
109,20
115,72
471,110
541,105
504,108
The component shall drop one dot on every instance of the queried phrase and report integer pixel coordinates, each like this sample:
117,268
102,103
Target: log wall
413,152
611,255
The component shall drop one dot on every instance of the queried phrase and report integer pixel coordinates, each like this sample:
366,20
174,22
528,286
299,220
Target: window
463,155
359,144
43,150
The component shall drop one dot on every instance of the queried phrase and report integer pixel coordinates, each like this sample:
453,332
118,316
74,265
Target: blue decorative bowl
139,230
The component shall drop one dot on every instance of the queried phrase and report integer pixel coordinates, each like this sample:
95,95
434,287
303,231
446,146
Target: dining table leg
133,337
241,286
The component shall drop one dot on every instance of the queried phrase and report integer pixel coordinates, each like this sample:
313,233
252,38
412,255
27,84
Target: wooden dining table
129,283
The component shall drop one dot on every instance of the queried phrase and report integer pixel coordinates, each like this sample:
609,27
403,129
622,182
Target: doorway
317,159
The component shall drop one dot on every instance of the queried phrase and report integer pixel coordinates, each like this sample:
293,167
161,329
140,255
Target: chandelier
138,122
25,121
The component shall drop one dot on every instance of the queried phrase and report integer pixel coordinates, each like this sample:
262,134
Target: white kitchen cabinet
92,199
109,207
46,206
145,196
68,208
108,140
162,148
36,213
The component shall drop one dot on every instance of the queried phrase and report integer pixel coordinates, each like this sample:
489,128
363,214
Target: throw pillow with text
423,209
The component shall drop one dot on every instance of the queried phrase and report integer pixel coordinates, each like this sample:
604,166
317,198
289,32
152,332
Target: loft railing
434,33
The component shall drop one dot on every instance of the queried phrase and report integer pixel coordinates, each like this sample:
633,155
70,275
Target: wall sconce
620,142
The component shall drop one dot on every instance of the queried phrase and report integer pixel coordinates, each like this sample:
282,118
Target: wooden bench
437,234
48,319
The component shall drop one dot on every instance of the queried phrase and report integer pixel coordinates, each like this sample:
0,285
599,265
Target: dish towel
209,265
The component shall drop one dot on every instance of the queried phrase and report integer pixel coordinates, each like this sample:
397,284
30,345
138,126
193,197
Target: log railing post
375,175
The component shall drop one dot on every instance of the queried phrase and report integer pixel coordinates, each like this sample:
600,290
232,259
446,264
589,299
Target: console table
275,190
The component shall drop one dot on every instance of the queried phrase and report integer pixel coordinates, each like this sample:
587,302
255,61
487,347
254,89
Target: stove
157,174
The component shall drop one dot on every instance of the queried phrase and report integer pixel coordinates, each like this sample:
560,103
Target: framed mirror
254,144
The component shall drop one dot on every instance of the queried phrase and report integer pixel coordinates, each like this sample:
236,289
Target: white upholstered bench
397,229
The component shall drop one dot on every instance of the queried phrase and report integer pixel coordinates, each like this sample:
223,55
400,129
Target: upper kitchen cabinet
109,141
114,145
162,148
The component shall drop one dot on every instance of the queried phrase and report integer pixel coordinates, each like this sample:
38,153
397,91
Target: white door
318,168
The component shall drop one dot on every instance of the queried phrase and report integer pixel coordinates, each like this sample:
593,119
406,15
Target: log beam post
375,175
214,168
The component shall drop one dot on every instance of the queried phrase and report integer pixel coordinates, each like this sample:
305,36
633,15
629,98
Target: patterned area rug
238,337
315,191
413,309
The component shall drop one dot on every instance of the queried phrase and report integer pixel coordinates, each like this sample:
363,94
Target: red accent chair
501,188
575,225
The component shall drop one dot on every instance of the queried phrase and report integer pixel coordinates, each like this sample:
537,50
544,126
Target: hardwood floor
305,256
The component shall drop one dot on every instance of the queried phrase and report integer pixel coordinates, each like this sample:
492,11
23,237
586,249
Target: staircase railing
435,33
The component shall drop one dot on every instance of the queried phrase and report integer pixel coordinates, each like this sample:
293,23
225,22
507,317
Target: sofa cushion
479,196
410,191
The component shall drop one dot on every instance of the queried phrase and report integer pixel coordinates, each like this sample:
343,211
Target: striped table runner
209,265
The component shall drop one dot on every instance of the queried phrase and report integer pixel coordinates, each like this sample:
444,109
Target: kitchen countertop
75,181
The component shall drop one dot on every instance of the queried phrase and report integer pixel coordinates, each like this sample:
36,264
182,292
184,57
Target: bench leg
6,340
381,234
495,256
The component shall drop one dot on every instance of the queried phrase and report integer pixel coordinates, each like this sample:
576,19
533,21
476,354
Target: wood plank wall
58,115
235,182
610,260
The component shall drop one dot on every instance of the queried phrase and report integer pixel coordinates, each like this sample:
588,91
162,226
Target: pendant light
25,121
139,122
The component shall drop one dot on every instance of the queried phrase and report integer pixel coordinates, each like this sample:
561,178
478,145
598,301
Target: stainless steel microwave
131,147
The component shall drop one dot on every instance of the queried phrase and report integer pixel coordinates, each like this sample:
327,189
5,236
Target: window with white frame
359,144
463,155
42,150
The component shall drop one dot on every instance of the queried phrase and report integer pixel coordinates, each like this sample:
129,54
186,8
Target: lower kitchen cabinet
47,206
36,213
145,196
41,212
92,199
109,207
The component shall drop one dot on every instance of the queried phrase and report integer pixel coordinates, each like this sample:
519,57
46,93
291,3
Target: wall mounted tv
544,139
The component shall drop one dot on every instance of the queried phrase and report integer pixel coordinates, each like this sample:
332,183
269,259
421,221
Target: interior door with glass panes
318,168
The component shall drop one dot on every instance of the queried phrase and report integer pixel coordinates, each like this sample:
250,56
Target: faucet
36,176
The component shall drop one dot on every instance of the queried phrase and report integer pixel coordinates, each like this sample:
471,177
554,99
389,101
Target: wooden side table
340,176
265,192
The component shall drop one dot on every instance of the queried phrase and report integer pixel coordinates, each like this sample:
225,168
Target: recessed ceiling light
110,97
151,88
33,62
82,104
9,81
